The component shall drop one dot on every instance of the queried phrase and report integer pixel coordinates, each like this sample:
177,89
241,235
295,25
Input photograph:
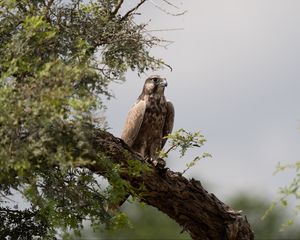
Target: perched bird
149,120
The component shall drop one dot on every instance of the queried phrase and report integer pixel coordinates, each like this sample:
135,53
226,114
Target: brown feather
133,122
169,122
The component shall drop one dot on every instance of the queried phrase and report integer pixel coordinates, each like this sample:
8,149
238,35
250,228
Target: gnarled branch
199,212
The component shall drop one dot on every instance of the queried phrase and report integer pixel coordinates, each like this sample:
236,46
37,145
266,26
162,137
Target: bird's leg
148,160
159,162
151,160
155,160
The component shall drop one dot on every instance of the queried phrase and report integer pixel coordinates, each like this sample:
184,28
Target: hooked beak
164,82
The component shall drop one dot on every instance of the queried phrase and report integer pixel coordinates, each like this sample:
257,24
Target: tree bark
199,212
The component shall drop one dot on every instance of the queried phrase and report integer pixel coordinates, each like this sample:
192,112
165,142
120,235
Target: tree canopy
57,60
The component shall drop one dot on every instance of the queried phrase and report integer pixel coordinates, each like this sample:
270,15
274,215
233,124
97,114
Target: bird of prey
149,120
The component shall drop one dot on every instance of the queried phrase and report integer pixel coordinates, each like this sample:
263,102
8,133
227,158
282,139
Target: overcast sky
236,77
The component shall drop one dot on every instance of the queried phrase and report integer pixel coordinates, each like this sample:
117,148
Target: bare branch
171,4
117,8
163,63
165,11
132,10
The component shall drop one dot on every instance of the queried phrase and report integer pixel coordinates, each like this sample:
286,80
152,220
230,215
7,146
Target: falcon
149,120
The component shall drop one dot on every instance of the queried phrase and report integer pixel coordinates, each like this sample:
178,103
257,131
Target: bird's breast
152,127
155,114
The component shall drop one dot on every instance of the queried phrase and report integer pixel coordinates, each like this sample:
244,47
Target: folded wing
169,122
133,122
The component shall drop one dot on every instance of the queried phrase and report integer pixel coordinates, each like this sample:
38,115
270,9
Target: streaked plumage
149,120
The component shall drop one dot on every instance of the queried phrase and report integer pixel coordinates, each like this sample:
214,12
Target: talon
154,162
158,162
161,163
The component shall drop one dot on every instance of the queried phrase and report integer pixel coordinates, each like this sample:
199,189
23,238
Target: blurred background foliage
270,227
148,223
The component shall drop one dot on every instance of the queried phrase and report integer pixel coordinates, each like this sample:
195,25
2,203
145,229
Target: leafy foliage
22,224
288,193
147,223
183,141
293,189
57,60
264,228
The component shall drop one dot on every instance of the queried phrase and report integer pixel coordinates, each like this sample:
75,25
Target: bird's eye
155,80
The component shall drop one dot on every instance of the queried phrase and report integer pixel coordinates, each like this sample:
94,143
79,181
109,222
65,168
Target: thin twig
3,195
164,64
167,12
165,30
171,4
171,148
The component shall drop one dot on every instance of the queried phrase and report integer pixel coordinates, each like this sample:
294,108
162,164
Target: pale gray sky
236,77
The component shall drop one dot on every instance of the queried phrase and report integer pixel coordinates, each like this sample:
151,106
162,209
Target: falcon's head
155,85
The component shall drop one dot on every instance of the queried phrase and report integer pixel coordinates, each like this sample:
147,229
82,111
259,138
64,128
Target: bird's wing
133,123
169,122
